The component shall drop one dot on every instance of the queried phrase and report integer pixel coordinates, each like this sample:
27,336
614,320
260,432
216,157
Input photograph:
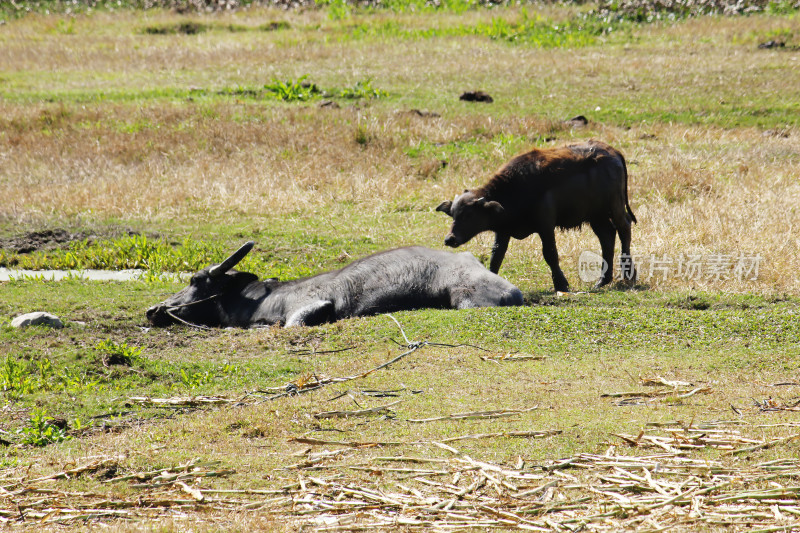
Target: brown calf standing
545,189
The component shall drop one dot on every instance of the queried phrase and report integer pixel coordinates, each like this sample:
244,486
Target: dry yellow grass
697,191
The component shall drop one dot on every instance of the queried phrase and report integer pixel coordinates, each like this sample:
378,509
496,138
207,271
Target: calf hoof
562,287
602,282
630,277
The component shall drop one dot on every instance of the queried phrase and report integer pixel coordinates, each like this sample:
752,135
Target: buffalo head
206,300
471,216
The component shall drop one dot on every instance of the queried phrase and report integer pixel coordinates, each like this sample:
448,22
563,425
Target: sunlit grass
293,176
196,142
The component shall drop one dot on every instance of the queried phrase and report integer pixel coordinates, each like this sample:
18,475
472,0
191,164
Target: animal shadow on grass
548,297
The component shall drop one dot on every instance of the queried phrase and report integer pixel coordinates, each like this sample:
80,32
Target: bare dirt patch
58,238
48,239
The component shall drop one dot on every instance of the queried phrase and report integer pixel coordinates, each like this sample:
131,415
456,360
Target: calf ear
444,207
494,207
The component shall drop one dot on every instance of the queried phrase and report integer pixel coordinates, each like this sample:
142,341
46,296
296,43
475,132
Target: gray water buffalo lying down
395,280
545,189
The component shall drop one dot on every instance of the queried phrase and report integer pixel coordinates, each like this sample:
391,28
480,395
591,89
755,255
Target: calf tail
625,182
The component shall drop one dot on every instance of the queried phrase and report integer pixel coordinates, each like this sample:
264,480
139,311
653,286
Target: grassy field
156,140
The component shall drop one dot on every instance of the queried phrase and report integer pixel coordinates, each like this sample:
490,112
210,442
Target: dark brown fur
545,189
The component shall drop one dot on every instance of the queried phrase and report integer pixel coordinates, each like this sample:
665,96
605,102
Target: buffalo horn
232,261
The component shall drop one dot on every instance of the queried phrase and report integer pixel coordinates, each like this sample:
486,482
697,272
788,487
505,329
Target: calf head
471,216
204,301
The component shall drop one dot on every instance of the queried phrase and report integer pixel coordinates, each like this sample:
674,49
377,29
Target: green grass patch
102,364
130,252
290,90
157,256
762,113
528,29
97,367
477,146
339,9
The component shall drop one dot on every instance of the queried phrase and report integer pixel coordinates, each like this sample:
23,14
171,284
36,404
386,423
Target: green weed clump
119,354
292,90
193,380
301,90
361,89
41,431
15,378
21,377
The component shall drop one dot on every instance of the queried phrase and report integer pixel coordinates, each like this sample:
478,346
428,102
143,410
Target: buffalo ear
444,207
243,278
494,207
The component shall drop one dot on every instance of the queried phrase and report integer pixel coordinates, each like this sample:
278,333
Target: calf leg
607,234
550,253
627,269
498,251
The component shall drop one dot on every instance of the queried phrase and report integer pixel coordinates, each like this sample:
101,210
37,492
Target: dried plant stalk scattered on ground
348,488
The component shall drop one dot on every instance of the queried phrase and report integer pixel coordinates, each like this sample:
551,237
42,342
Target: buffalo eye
200,279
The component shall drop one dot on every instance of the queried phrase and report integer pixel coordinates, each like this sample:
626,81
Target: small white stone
39,318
